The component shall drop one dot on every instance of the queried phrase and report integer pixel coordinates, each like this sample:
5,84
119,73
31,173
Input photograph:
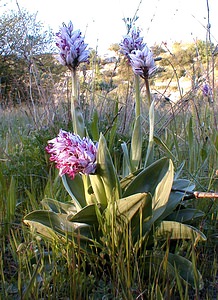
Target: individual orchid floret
206,89
72,47
142,62
131,42
72,154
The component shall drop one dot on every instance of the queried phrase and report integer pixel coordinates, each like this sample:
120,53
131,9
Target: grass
33,268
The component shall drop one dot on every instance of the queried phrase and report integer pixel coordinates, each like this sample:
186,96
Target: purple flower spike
206,89
131,42
142,62
72,154
72,47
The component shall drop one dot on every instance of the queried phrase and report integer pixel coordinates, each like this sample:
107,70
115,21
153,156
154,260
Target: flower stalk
137,97
148,92
76,114
72,52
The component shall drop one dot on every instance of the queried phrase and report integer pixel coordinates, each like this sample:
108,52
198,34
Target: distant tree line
29,70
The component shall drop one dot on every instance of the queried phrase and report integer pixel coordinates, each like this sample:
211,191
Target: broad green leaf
132,205
176,230
183,185
106,169
174,200
98,189
186,270
163,188
179,189
185,215
94,126
55,226
159,142
174,265
136,209
150,150
75,189
160,198
86,215
58,207
126,167
128,179
48,223
136,144
147,180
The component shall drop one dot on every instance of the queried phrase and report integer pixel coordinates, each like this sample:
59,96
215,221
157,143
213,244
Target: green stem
74,97
148,91
76,114
137,99
136,141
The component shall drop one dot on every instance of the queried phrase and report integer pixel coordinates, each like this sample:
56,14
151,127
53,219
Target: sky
101,22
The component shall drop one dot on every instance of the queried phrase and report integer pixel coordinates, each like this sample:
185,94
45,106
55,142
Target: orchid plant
106,204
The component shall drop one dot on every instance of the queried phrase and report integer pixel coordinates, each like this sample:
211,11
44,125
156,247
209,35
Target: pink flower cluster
72,154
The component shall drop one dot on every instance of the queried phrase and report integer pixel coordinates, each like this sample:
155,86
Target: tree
22,42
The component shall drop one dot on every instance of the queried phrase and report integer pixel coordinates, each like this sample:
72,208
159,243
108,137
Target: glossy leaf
128,179
55,226
48,223
186,270
147,180
183,184
106,169
136,144
75,188
185,215
177,230
163,188
126,167
161,195
175,265
150,150
58,207
98,189
134,204
86,215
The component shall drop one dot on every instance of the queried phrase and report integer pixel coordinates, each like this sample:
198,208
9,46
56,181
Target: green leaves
75,188
107,172
142,205
49,224
136,145
176,230
149,178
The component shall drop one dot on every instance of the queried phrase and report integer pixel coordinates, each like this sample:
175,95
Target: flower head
72,47
142,62
131,42
206,89
72,154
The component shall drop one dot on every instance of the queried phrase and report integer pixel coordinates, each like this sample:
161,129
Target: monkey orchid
72,47
73,52
206,89
142,62
131,42
72,154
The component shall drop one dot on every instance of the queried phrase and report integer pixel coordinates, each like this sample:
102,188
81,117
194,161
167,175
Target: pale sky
101,21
